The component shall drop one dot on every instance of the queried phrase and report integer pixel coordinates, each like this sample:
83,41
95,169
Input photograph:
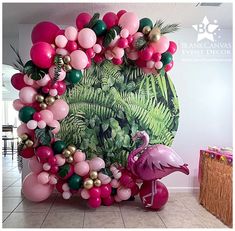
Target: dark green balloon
26,113
166,58
99,28
75,182
58,146
145,22
74,76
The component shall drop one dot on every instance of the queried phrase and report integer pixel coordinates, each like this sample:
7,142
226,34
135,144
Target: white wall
204,88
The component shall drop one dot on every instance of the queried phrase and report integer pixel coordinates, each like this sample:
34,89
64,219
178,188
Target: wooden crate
216,185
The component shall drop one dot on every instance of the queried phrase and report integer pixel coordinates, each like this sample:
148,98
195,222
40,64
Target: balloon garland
58,60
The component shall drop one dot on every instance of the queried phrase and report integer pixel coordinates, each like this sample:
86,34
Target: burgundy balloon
146,54
54,169
44,153
17,81
135,190
27,153
60,32
107,201
120,13
110,19
117,61
156,57
82,19
59,185
44,32
42,54
160,198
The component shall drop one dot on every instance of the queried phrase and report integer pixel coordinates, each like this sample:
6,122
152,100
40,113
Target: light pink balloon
97,48
28,80
115,183
27,95
34,165
124,193
66,195
79,156
56,125
43,82
47,116
60,160
81,168
43,178
158,65
129,21
42,124
22,129
71,33
124,33
118,52
53,92
61,51
87,38
105,179
161,45
62,73
17,104
114,41
85,194
53,179
32,124
117,199
33,190
133,55
60,109
96,164
79,59
61,41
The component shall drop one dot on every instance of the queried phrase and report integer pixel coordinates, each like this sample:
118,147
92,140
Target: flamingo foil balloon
153,162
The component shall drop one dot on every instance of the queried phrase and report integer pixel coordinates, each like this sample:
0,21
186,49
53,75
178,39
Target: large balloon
34,165
33,190
82,19
79,59
87,38
160,197
17,81
44,32
60,109
161,45
27,95
130,22
42,54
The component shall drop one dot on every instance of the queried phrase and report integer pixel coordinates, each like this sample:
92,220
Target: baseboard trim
183,189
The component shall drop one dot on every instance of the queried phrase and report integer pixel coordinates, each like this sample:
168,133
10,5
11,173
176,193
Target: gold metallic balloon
146,30
24,137
43,105
39,98
93,175
29,143
155,34
72,148
88,183
67,67
66,153
49,100
97,183
67,59
69,159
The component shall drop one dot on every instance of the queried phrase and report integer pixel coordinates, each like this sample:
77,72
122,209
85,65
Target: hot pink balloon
60,109
82,19
46,116
61,88
44,32
161,45
172,47
61,76
34,165
27,95
44,81
42,54
87,38
81,168
130,22
43,178
71,33
17,104
56,125
33,190
169,66
44,153
110,19
79,59
17,81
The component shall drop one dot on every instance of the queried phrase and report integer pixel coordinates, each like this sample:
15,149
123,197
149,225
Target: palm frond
19,65
171,28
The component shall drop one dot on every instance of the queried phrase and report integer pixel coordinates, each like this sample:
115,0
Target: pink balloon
71,33
51,71
61,41
87,38
27,95
172,47
46,116
158,65
42,124
32,124
85,194
56,125
33,190
81,168
44,81
17,104
124,193
60,109
79,156
42,54
161,45
114,41
118,52
79,59
124,33
61,51
34,165
53,179
60,160
44,32
17,81
169,66
28,80
96,164
133,55
43,178
22,129
105,179
130,22
82,19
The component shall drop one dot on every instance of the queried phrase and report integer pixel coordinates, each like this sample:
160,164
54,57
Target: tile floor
181,211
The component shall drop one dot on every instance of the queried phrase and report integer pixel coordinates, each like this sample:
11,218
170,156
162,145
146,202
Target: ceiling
186,14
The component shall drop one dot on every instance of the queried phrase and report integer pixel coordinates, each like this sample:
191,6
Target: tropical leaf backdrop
112,103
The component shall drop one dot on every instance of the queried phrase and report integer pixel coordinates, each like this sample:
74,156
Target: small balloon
60,109
79,59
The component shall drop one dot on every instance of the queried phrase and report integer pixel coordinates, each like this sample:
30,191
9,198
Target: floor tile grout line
48,211
162,220
122,217
83,222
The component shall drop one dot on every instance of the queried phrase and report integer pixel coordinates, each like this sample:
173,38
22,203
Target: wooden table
215,176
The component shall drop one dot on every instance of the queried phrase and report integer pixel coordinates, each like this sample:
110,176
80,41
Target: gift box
215,176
